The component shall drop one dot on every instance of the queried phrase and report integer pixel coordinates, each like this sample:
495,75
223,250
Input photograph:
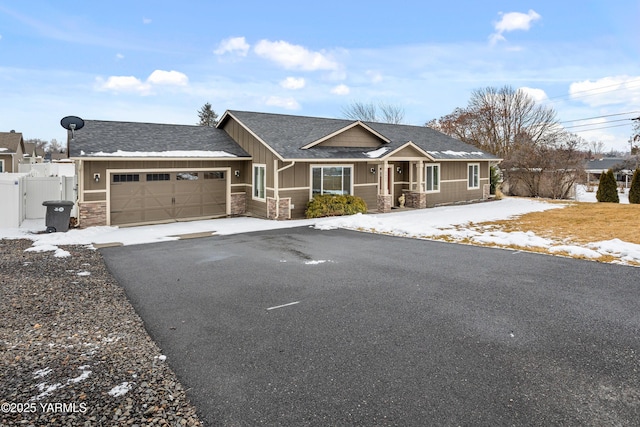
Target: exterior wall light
237,173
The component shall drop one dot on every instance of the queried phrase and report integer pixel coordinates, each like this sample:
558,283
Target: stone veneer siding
92,214
384,203
414,199
238,203
284,210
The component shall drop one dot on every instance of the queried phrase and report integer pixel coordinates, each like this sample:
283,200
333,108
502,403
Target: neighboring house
595,168
266,165
12,151
32,153
55,156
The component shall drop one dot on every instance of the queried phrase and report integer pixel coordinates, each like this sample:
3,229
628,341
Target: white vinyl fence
12,199
40,189
21,196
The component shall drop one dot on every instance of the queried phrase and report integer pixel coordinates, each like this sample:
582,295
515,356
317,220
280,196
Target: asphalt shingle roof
10,141
286,134
604,164
99,136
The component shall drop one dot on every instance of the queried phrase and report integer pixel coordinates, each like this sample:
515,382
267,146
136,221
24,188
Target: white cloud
119,56
237,45
513,21
146,21
161,77
286,103
294,57
341,90
538,95
123,84
293,83
607,91
133,84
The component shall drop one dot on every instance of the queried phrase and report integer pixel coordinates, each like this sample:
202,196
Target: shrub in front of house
335,205
634,191
608,188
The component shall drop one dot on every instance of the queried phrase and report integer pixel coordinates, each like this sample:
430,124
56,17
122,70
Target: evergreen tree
207,116
634,191
608,188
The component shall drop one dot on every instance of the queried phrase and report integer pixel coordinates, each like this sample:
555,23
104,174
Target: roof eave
227,115
141,158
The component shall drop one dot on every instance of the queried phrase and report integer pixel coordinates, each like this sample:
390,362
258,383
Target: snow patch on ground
120,389
316,262
452,223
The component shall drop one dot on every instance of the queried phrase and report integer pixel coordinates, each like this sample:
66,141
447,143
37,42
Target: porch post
384,197
420,186
411,165
385,178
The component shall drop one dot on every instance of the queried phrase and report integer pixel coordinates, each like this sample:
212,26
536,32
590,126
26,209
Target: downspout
276,184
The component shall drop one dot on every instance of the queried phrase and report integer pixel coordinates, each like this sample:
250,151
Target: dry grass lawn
579,223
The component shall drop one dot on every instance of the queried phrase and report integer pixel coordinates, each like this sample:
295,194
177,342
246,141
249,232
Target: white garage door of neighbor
147,197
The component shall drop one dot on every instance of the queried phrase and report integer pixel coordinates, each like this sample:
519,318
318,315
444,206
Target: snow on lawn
582,195
452,223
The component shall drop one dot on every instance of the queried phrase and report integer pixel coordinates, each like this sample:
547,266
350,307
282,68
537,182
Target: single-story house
596,167
265,165
12,151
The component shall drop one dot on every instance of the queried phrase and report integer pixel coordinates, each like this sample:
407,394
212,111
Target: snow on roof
457,153
376,153
4,149
177,153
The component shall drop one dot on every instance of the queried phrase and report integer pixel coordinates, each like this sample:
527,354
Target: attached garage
161,195
149,173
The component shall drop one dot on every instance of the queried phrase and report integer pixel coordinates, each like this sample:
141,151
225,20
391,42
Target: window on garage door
126,177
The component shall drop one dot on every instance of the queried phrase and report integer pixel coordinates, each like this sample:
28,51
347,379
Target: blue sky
160,61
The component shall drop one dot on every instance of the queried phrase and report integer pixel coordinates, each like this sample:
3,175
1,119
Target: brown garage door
142,197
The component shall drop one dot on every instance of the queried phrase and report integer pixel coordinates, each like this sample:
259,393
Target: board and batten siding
453,183
357,136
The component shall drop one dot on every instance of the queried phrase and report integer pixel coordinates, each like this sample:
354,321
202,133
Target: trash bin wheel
51,230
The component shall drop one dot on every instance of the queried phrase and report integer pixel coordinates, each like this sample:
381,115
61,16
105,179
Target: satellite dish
72,123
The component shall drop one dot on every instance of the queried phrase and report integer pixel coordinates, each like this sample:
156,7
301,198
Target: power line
573,95
602,127
596,124
600,117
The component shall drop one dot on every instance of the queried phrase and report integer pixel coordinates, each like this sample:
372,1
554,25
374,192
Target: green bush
608,188
334,205
634,191
494,179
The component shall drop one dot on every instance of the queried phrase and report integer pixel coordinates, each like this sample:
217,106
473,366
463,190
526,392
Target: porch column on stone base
384,198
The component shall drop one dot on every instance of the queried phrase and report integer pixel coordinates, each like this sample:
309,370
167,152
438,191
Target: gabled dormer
355,135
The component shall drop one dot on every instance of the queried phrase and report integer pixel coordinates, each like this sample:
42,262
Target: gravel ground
73,351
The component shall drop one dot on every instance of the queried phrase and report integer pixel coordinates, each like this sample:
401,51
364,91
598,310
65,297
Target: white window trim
425,177
330,166
2,169
476,166
253,181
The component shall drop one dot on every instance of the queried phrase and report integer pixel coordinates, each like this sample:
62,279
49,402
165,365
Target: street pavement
328,328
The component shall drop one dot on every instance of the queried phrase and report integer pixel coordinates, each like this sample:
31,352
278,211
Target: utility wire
600,117
596,124
602,127
626,85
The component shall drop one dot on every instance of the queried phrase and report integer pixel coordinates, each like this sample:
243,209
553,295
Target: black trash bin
58,215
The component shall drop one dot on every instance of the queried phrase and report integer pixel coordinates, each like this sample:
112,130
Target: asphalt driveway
307,327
